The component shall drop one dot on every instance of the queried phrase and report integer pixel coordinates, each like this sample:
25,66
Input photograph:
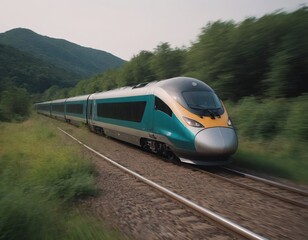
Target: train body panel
76,108
44,108
58,109
179,115
126,118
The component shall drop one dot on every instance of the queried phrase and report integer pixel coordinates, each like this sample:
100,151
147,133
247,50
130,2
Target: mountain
21,69
82,61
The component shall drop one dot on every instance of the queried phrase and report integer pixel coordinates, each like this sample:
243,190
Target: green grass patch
273,136
287,161
40,178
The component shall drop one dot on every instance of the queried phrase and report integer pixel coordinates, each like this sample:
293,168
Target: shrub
296,126
26,216
15,104
260,120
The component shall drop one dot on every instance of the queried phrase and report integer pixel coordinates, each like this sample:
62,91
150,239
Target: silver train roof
172,86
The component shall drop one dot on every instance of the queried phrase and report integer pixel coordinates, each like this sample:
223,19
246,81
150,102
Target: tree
15,104
166,62
288,71
209,58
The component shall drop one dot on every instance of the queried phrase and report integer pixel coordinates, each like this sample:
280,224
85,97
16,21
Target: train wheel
99,131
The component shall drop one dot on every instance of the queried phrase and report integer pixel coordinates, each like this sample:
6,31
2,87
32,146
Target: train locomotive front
203,132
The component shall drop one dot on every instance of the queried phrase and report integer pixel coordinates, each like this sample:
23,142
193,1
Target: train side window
74,108
127,111
161,106
58,108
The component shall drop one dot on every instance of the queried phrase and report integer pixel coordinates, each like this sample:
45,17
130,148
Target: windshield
201,101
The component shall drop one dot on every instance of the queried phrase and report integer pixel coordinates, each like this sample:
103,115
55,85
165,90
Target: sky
126,27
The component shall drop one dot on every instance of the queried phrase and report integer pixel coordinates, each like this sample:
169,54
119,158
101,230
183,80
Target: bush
26,216
296,126
272,135
63,177
15,104
260,120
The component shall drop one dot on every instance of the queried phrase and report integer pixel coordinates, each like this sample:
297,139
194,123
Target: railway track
263,214
223,222
288,194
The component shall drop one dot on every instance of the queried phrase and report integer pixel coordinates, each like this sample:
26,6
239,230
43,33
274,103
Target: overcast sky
125,27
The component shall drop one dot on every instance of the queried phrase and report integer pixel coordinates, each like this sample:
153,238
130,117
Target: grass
285,161
41,177
273,136
40,180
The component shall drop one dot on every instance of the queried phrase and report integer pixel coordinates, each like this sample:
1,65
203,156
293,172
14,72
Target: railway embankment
48,179
251,209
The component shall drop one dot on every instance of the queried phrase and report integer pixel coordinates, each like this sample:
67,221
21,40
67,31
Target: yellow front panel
207,122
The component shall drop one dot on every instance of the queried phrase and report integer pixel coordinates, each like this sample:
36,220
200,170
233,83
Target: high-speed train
179,117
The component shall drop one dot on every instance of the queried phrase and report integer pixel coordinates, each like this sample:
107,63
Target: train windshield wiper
198,107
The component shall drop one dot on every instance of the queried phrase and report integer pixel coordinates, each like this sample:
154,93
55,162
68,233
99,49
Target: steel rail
269,182
288,200
209,214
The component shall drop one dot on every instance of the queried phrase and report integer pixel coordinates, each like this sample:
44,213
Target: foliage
26,216
267,119
15,104
259,57
82,61
209,58
272,135
166,62
137,70
23,70
265,57
40,179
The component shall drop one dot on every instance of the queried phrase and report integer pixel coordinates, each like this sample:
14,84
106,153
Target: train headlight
193,123
229,122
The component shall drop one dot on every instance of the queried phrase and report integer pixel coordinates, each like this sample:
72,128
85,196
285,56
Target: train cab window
204,103
161,106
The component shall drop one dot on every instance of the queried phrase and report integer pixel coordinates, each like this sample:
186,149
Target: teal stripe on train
156,122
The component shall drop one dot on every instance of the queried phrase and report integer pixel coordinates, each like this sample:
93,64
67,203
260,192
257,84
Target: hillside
21,69
83,61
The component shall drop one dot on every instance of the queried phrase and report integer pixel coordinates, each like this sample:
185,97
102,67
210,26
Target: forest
265,57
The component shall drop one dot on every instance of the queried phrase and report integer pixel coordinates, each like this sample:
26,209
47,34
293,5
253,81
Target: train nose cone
216,141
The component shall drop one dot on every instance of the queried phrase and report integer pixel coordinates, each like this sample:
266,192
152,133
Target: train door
162,119
90,111
161,129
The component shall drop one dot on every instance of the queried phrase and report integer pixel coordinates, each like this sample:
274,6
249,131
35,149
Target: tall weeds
40,179
273,135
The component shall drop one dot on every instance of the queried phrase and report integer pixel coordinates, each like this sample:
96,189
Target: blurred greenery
273,135
265,58
15,104
57,59
41,178
23,70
